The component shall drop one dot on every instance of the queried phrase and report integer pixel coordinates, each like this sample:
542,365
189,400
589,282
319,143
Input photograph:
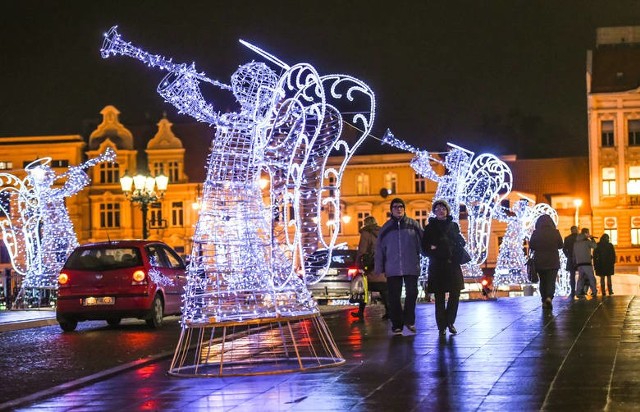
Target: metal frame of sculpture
247,255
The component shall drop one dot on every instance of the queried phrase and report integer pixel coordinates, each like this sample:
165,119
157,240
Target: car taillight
352,272
63,278
138,278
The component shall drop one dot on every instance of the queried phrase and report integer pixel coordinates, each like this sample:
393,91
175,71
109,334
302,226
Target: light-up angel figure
539,209
510,266
479,183
247,254
39,234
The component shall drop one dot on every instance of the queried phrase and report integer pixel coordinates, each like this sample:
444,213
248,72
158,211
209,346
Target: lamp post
577,203
144,189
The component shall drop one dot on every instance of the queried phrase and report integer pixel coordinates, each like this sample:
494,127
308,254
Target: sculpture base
255,347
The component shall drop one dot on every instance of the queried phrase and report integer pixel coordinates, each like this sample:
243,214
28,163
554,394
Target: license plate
105,300
332,272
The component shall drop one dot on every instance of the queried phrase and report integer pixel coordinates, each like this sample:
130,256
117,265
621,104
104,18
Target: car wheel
157,313
114,321
68,325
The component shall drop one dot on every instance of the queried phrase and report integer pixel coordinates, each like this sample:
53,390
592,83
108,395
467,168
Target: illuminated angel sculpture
479,183
510,266
38,232
247,255
539,209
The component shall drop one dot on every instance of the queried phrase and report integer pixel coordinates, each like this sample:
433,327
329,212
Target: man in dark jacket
582,249
398,258
567,249
364,257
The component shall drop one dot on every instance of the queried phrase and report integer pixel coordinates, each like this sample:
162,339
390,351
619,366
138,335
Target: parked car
338,277
120,279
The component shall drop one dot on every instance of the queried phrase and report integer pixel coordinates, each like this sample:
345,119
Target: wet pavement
508,354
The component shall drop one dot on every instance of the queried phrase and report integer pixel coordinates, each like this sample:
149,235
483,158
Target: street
36,359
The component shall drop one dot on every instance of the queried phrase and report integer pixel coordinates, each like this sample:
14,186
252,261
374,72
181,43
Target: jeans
585,272
402,316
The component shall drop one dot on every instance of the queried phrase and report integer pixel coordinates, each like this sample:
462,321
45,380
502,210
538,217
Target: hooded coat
445,275
604,257
545,242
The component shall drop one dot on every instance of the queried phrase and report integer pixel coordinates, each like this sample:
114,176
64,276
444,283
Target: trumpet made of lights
247,253
479,183
37,230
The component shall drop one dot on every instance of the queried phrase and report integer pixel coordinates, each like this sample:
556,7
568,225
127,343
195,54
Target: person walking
397,256
366,261
604,261
567,249
441,243
584,262
545,242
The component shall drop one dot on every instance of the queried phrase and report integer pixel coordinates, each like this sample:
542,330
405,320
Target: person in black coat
546,242
441,243
604,260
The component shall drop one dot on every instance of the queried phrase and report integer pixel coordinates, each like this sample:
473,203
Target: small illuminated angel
510,266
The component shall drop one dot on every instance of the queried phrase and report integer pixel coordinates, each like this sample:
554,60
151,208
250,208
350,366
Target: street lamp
577,203
144,189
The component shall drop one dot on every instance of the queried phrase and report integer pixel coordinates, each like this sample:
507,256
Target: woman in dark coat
441,238
604,260
546,242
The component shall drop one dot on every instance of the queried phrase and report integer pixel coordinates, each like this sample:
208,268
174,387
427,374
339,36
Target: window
635,230
391,182
155,211
59,163
158,168
177,214
606,133
633,185
6,165
332,186
361,217
362,184
608,181
174,172
634,132
611,229
109,173
109,215
421,216
420,183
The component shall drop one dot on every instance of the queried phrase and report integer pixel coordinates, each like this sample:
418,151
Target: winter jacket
546,242
604,258
440,239
367,244
567,249
399,247
582,250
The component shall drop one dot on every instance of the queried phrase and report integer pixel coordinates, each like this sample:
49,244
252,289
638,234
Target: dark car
338,277
120,279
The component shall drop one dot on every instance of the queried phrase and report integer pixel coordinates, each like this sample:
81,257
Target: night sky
504,76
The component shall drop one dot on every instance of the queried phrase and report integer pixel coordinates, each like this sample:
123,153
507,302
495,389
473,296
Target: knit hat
443,203
396,201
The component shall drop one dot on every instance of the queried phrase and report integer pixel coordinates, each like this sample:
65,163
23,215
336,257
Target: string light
246,254
37,231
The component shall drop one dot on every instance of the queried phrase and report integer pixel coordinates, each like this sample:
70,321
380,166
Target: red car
120,279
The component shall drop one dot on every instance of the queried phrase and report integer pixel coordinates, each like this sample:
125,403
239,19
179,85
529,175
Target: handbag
532,273
463,256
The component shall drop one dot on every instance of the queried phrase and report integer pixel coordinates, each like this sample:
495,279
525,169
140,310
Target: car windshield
104,258
342,259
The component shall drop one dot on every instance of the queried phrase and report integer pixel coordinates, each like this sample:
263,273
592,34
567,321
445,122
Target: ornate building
613,104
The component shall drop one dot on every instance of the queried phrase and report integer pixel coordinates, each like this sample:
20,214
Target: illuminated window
109,215
177,214
109,172
155,211
611,229
606,133
332,185
391,182
420,183
635,230
421,216
634,132
608,181
59,163
362,184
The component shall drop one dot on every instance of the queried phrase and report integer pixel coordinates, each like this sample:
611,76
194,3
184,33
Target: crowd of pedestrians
390,258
